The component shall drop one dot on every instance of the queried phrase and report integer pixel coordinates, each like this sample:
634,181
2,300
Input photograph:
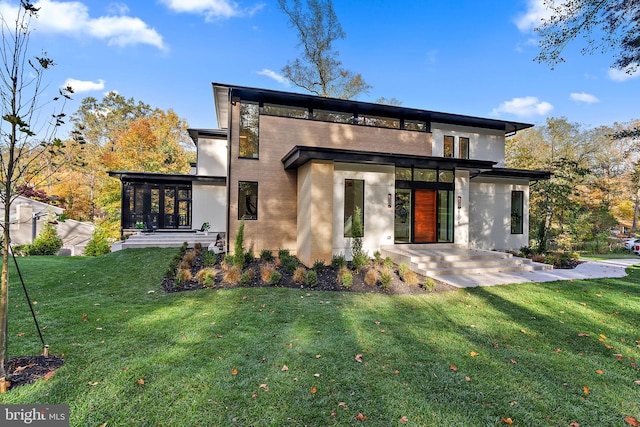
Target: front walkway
587,270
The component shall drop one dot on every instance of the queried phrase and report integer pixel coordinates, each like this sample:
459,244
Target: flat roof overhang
299,155
152,177
207,133
531,175
224,93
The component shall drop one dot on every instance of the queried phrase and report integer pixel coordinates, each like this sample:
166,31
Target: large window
448,146
463,143
353,199
247,200
517,211
249,130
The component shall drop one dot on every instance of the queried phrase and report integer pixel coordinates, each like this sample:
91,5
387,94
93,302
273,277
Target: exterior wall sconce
389,200
459,202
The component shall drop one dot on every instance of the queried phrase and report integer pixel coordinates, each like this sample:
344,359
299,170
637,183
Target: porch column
315,212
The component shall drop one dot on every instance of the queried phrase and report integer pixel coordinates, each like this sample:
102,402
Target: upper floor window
463,143
517,212
247,200
448,146
285,111
381,122
332,116
249,130
415,125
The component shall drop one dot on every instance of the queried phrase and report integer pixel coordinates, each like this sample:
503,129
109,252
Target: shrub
209,258
246,277
266,256
377,257
371,277
266,270
183,277
206,277
402,268
283,253
48,242
289,263
275,277
312,278
189,257
526,251
359,261
318,265
227,261
386,276
410,278
184,265
248,257
197,247
347,279
232,275
99,243
429,284
238,247
299,275
338,262
388,263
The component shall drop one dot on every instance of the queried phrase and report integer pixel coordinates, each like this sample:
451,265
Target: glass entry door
423,216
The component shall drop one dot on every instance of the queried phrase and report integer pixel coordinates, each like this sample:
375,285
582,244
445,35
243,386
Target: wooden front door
424,225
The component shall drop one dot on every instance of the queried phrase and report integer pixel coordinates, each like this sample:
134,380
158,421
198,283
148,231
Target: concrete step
166,240
448,259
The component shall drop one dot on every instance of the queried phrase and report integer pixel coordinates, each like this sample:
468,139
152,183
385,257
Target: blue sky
466,57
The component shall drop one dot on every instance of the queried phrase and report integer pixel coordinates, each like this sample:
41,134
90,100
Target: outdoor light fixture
459,202
389,200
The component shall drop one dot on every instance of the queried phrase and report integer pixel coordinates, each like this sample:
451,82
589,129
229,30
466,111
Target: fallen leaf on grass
377,322
404,419
506,420
285,368
264,386
632,421
599,371
360,417
314,390
48,375
140,381
467,379
474,354
585,389
234,371
523,331
84,317
583,335
514,361
453,368
637,382
574,424
396,372
618,356
608,346
359,358
93,383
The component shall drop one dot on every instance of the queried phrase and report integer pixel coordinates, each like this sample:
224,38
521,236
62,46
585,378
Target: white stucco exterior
484,144
210,201
490,214
379,182
212,157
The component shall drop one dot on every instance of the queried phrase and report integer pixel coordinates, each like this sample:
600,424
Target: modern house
296,167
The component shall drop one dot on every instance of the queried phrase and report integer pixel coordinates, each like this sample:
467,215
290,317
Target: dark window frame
244,204
246,151
448,152
517,212
463,148
349,211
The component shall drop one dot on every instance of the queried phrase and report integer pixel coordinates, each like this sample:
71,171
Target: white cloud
79,86
72,18
211,9
586,98
273,75
535,13
524,107
618,75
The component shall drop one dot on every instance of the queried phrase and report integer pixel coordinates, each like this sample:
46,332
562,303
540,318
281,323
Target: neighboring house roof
166,177
222,94
37,205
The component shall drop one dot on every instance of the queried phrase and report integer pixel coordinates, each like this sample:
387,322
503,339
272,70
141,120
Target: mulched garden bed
28,369
327,280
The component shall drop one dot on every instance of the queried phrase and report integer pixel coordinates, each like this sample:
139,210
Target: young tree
606,25
319,71
22,139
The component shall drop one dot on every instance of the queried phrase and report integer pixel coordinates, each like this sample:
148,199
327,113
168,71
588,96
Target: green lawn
269,356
